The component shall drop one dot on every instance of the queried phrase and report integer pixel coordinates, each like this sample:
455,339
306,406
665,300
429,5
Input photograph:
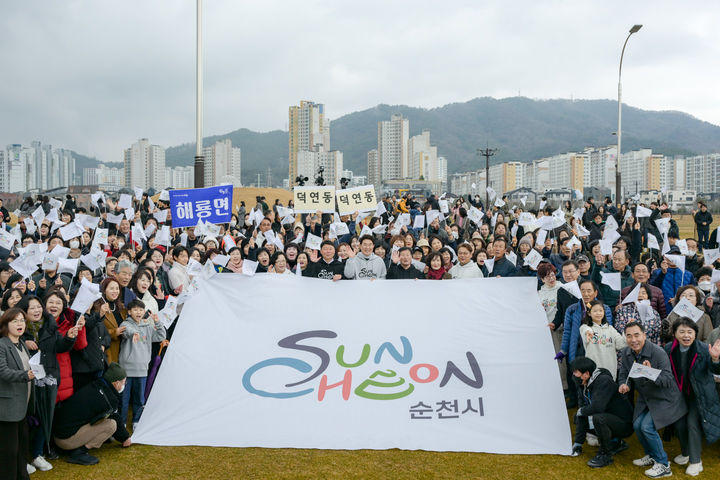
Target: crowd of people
609,279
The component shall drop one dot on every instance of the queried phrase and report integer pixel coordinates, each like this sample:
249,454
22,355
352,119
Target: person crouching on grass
141,329
602,409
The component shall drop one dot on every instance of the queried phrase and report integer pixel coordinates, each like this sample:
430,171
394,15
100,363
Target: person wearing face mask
611,413
693,365
693,262
710,291
92,416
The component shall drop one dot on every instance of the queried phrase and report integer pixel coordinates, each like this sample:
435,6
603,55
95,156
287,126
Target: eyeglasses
18,321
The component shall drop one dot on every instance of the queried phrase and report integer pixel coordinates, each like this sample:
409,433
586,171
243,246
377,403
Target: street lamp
618,191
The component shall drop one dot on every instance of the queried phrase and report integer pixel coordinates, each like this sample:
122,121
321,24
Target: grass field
144,462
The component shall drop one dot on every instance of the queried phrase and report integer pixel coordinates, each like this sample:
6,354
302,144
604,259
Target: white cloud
95,76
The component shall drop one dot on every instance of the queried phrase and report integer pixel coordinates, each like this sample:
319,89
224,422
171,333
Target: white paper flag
711,255
682,245
533,259
677,260
612,280
61,251
499,202
221,260
68,265
652,242
582,231
313,241
639,370
572,287
489,265
161,216
125,201
686,309
38,215
444,207
643,212
541,237
130,213
632,297
512,257
115,219
380,209
249,267
606,247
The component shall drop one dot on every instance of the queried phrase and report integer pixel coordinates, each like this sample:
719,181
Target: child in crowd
141,329
600,339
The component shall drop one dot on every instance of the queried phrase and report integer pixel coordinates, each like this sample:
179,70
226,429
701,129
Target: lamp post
199,158
618,187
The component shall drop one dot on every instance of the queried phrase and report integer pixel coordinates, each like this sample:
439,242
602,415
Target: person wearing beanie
91,416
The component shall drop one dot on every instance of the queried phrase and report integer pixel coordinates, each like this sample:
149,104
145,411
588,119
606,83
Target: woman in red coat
68,322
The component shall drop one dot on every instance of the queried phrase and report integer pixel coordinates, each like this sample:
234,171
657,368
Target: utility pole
199,158
487,153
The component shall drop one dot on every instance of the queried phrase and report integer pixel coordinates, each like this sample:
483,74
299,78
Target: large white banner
281,361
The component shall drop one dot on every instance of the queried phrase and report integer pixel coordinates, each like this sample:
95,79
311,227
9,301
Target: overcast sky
96,75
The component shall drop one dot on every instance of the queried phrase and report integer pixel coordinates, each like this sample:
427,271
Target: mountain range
522,129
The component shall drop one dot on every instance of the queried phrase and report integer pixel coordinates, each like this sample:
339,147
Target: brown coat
111,324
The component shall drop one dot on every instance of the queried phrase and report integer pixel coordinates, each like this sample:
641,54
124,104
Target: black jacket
322,269
90,404
397,272
50,343
703,217
92,358
601,395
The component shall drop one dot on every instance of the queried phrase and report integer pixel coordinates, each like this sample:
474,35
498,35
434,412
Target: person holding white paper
572,345
694,363
659,402
669,277
600,340
693,295
641,274
620,264
630,312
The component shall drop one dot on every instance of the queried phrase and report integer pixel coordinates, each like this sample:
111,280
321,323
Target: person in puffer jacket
365,265
693,364
669,278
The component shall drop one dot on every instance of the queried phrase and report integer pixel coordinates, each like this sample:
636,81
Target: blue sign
211,205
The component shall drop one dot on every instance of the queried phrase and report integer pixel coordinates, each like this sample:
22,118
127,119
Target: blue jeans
649,437
134,394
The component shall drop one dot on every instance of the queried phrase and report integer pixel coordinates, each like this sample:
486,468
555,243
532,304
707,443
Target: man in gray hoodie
365,265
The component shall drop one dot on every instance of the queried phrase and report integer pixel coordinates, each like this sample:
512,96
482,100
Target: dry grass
146,462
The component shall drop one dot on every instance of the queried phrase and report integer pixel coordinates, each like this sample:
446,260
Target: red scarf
436,274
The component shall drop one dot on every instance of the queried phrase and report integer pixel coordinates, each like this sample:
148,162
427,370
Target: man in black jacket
602,409
328,267
91,416
703,220
401,267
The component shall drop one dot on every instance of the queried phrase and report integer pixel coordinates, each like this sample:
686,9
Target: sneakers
79,456
41,464
30,469
621,446
694,469
592,440
659,471
681,459
645,461
600,460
